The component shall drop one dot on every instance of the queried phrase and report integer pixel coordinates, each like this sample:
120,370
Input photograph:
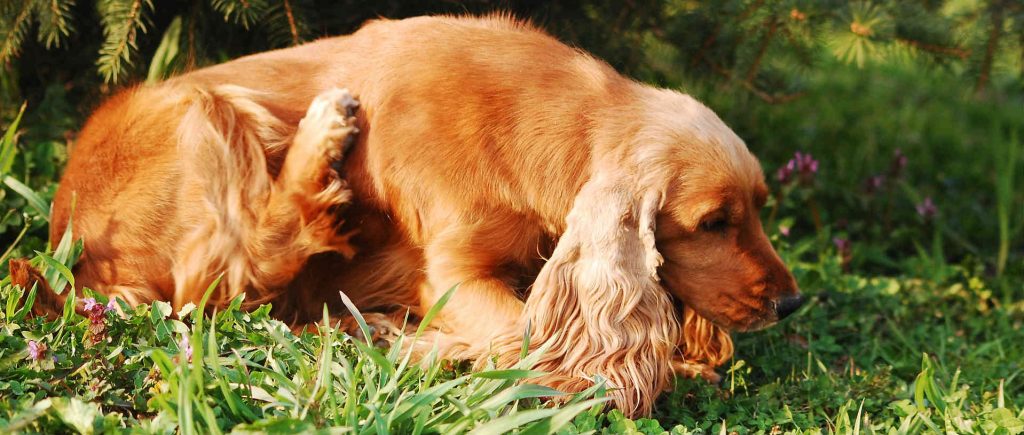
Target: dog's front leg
482,305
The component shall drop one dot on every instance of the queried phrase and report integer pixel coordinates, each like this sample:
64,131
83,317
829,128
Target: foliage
956,149
762,45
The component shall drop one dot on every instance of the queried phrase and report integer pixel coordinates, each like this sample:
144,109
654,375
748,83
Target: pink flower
97,314
801,166
874,183
90,305
899,162
784,230
785,173
927,209
845,253
186,347
36,350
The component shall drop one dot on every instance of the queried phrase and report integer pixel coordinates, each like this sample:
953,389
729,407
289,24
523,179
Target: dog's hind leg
259,230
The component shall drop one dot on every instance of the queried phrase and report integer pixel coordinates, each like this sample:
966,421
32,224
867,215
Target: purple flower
927,209
845,253
111,305
186,347
784,230
801,166
36,350
899,161
97,314
874,183
785,173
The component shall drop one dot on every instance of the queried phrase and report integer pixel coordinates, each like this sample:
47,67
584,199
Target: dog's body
483,145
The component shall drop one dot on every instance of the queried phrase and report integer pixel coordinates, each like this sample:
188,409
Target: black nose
787,305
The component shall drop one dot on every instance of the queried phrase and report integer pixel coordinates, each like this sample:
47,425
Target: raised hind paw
324,135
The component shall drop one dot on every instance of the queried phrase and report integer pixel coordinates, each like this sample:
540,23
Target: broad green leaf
77,414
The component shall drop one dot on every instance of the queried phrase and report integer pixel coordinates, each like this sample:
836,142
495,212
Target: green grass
141,369
918,327
870,354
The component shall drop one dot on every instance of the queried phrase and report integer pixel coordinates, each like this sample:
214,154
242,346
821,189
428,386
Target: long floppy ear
703,346
597,301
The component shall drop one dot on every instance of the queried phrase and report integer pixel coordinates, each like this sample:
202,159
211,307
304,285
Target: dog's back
498,88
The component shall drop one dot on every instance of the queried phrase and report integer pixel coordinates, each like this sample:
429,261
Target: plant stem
17,240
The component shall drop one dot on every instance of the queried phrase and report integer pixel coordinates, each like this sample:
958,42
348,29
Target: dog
616,224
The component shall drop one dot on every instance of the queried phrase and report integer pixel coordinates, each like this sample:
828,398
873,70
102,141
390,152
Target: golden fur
610,217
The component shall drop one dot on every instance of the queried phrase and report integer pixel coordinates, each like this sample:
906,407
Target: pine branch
192,55
291,22
957,52
752,88
242,12
285,23
1021,45
762,49
708,42
54,17
995,33
14,23
123,20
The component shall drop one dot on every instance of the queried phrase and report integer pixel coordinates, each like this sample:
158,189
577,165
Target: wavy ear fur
703,346
597,301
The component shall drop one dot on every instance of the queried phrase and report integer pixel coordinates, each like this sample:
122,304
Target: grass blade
34,200
8,146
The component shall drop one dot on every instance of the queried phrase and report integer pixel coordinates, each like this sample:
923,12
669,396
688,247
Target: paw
383,330
330,121
690,369
326,132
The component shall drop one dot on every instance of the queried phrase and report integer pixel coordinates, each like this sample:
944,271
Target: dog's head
671,207
715,255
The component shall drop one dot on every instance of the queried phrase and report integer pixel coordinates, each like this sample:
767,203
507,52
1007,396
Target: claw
349,103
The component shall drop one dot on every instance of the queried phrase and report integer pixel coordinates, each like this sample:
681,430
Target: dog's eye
716,225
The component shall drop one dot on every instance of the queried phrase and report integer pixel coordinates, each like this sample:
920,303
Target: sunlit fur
557,194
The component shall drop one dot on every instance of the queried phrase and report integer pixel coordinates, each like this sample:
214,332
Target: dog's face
717,258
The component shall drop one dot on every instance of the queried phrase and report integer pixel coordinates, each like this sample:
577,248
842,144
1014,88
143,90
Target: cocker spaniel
616,221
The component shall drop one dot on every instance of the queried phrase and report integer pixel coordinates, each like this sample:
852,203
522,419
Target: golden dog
609,217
